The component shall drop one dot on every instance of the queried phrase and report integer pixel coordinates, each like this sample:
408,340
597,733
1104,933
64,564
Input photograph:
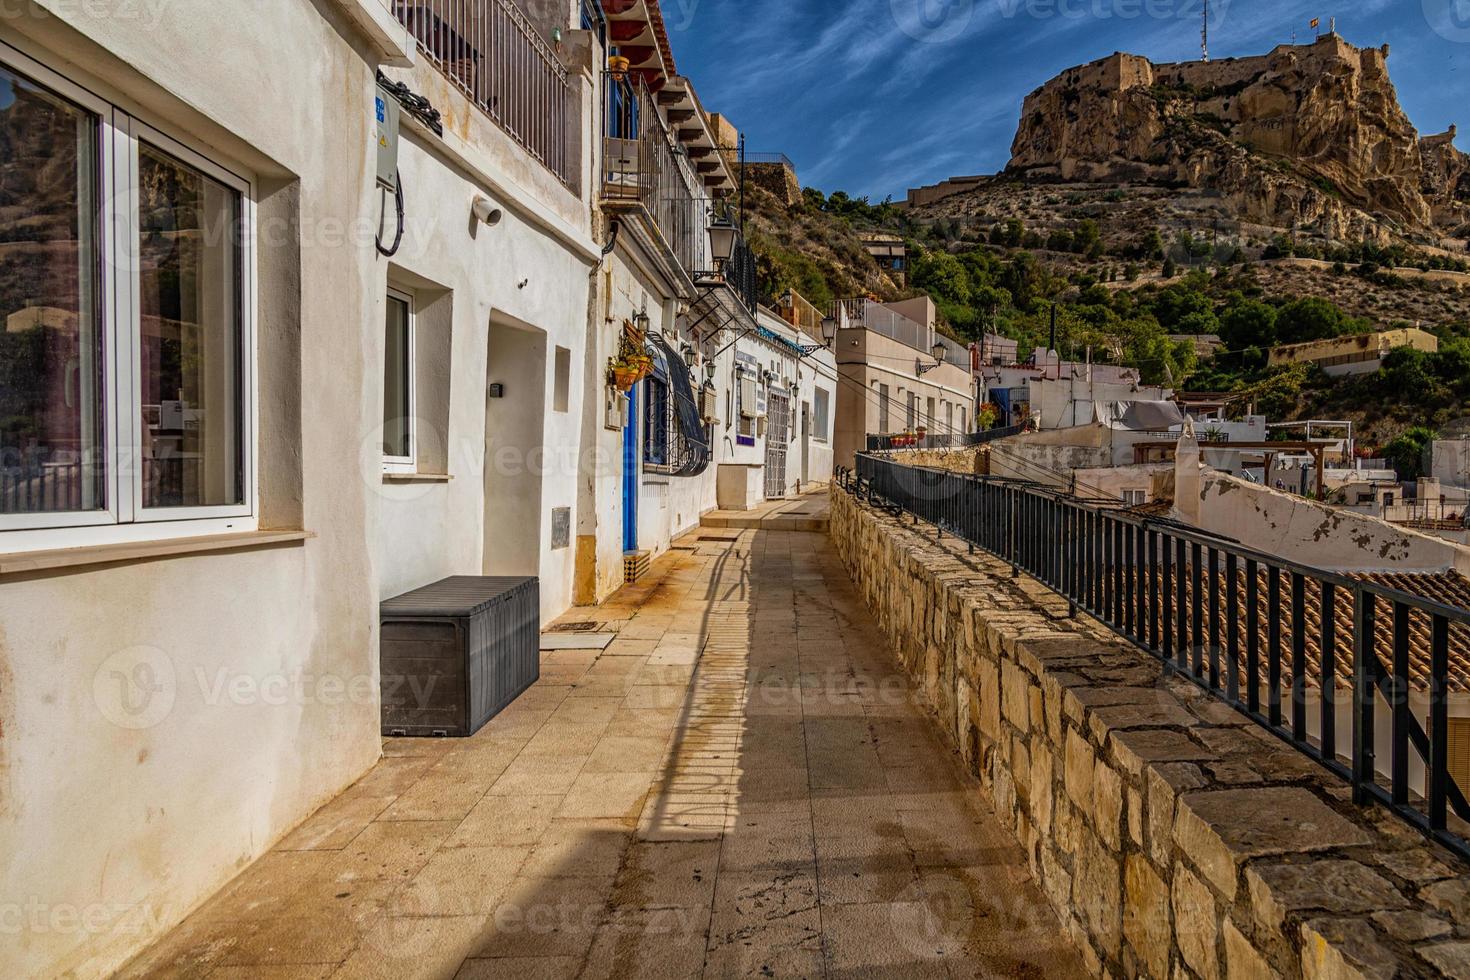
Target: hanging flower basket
624,373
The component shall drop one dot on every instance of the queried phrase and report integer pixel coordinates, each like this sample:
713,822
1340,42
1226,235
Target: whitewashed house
282,339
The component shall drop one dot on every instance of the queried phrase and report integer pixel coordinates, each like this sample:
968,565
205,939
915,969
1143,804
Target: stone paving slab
740,784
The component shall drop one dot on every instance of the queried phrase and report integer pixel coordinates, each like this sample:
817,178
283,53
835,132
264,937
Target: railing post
1438,762
1363,643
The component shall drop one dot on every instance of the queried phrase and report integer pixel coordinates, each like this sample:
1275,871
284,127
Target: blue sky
875,96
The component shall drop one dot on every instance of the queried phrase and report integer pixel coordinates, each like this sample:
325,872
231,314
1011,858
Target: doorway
515,449
630,471
778,441
806,443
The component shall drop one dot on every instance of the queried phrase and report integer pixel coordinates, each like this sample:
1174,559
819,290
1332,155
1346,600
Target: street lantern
939,351
829,330
722,240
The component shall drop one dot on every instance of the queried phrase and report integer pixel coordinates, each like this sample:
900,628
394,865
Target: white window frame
409,463
821,421
125,519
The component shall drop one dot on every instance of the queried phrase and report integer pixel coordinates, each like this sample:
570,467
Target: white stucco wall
1316,534
164,722
133,795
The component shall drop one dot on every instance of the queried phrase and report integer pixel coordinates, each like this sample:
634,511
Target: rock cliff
1308,136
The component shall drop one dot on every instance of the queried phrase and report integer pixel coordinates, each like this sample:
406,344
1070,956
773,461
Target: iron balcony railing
493,54
1259,632
740,274
642,171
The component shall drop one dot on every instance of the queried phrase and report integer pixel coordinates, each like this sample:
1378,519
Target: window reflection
189,258
51,395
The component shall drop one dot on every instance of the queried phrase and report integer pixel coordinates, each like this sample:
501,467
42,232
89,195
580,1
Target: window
931,417
821,411
1135,498
882,409
399,447
125,375
655,424
913,412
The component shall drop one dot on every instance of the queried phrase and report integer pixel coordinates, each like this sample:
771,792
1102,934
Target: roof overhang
690,124
636,28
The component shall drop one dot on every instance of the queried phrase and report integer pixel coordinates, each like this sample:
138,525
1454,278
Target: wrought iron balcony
493,54
644,173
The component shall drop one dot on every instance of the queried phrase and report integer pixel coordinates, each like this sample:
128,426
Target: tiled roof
1449,588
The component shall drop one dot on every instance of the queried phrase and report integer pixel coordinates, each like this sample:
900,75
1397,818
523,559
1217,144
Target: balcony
642,174
492,53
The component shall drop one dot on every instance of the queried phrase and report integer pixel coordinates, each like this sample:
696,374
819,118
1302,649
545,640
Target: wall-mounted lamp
722,232
641,321
939,350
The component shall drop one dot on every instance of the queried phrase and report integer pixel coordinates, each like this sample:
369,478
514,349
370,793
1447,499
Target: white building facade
279,344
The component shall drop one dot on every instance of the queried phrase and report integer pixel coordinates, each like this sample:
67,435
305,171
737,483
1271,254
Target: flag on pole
1316,22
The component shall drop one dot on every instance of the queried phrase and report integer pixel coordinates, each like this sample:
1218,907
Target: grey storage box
455,653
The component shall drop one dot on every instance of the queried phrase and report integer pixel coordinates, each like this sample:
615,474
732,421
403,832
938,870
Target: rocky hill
1308,138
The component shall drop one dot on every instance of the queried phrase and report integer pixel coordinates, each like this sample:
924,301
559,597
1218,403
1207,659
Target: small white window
1135,498
821,411
398,384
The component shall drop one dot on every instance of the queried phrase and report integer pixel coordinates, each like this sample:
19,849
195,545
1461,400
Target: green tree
1406,451
1248,324
1309,318
942,276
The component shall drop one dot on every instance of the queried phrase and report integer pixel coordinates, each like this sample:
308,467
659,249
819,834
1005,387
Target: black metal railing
641,171
740,274
1257,631
941,440
492,53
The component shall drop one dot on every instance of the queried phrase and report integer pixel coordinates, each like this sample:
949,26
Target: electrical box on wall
385,118
615,409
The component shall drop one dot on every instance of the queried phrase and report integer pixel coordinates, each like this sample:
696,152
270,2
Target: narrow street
738,785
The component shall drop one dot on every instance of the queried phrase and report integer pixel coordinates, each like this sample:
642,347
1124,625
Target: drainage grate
582,626
719,537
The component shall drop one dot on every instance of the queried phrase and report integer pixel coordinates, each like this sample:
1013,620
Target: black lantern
722,240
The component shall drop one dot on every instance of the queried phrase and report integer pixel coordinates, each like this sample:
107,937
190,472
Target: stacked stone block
1174,836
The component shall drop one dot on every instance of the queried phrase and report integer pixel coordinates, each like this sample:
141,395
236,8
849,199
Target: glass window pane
51,395
189,257
397,363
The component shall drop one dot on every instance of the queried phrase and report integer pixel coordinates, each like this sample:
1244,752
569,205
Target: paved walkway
736,786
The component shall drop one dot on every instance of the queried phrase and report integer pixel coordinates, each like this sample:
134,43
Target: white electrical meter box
385,114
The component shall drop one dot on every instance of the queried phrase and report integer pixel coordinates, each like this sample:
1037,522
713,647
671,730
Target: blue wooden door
630,473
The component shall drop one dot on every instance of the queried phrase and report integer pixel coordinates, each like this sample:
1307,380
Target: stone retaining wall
1174,837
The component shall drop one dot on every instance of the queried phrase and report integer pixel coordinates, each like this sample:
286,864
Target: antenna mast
1204,34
